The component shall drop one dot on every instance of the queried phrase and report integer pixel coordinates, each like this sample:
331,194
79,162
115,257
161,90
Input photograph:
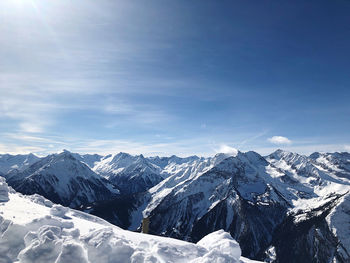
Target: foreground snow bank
33,229
4,195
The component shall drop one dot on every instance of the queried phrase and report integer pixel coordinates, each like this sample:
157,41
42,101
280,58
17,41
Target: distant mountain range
284,207
63,179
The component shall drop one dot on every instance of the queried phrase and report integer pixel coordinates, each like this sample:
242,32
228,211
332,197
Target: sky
174,77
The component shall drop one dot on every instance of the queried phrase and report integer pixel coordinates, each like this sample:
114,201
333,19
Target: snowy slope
33,230
162,162
131,174
18,162
318,219
89,159
137,173
64,180
230,193
310,177
189,174
336,163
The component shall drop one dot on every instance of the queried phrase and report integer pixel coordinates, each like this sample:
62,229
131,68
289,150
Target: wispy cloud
252,138
279,140
43,145
19,149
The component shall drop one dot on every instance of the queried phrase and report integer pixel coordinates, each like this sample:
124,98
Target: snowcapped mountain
64,180
310,177
231,194
10,163
319,219
34,230
162,162
252,197
131,174
336,163
134,174
284,207
89,159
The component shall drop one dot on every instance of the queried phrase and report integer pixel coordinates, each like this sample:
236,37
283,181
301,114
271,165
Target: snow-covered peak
282,159
63,165
9,163
89,159
286,155
162,162
336,157
335,163
114,163
315,155
63,179
130,173
318,175
121,156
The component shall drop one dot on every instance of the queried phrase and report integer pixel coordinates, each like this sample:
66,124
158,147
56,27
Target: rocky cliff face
308,236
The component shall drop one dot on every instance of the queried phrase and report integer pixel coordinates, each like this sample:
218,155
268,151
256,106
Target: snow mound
59,211
33,230
221,242
40,200
4,190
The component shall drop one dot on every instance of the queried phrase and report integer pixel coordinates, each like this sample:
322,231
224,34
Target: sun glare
18,2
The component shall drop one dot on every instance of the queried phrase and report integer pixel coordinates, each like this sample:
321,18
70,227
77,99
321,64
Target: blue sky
174,77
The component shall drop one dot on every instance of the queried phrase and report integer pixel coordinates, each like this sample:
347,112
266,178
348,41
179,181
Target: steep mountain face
317,171
317,234
64,180
14,163
255,199
132,174
162,162
178,172
336,163
316,229
126,210
119,210
233,195
89,159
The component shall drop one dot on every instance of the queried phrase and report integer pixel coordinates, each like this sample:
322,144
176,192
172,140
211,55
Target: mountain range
284,207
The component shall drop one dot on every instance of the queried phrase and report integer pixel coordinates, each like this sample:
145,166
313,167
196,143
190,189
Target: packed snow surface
34,230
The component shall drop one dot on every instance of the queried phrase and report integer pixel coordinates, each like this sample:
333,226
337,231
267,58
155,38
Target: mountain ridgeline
283,207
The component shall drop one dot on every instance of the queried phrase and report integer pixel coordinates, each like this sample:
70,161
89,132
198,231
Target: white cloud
227,150
347,148
279,140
